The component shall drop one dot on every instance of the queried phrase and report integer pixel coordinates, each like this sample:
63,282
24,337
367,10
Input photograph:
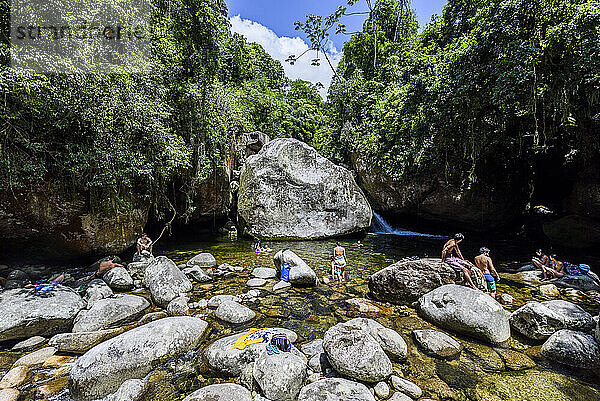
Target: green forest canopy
479,94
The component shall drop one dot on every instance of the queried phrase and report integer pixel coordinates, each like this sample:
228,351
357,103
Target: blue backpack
285,272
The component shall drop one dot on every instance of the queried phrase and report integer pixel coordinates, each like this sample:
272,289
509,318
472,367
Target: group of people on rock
452,255
553,269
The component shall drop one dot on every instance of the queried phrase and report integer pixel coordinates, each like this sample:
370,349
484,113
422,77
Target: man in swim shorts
451,255
485,264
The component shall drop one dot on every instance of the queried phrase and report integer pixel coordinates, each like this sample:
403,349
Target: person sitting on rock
338,263
542,262
144,244
105,265
451,254
556,269
485,264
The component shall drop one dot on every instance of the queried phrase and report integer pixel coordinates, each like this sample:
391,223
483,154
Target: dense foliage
108,135
478,96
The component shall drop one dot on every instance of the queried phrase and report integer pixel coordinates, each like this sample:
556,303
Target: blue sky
270,23
280,15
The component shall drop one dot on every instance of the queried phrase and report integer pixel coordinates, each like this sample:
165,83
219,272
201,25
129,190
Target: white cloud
280,48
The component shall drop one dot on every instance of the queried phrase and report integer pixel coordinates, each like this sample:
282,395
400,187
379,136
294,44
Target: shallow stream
480,373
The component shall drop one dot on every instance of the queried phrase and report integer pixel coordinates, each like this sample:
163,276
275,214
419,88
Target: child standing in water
338,263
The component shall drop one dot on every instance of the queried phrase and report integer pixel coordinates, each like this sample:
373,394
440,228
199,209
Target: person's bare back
484,263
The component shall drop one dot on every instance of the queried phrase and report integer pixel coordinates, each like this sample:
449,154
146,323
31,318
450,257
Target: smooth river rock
437,343
264,273
179,306
25,314
132,355
118,279
466,311
354,352
405,282
539,320
110,312
220,392
234,312
288,190
165,281
335,389
572,348
80,343
96,290
196,274
203,260
225,359
280,376
300,273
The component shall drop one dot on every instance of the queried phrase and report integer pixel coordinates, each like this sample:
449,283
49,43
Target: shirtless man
451,254
144,243
105,266
485,264
338,263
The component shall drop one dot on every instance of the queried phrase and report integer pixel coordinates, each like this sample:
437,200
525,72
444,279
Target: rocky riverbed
171,335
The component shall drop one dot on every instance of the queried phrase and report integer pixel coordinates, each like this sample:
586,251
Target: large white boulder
335,389
280,376
110,312
539,320
165,281
132,355
224,358
467,311
220,392
288,190
25,314
354,352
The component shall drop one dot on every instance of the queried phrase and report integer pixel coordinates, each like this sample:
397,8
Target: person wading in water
338,263
451,254
485,264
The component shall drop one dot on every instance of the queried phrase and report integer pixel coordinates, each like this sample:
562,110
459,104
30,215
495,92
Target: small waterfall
380,226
